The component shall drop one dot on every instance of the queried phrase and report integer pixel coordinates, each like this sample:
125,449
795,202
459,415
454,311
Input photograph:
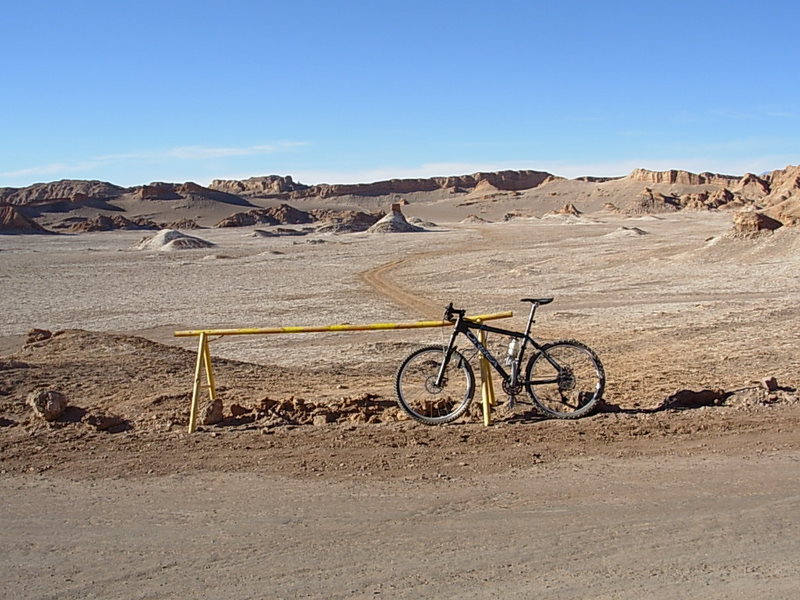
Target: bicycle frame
464,326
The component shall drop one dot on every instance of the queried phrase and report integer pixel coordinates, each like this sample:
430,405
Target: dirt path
378,278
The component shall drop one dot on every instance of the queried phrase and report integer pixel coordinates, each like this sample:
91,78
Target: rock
681,177
770,384
104,223
345,221
213,413
501,180
47,404
322,419
695,399
101,420
241,219
189,191
288,215
12,220
183,224
276,215
66,189
753,186
650,201
38,335
258,186
237,410
749,223
567,209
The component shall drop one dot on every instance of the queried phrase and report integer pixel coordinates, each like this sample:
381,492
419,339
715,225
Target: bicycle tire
421,399
577,385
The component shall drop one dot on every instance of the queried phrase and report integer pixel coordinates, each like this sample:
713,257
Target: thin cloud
52,169
179,153
202,152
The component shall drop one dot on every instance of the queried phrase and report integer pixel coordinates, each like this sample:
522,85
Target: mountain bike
564,379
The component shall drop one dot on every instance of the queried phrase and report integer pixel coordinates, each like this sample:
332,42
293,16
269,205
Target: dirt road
684,527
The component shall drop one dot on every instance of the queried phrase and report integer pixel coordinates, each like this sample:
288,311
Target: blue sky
353,91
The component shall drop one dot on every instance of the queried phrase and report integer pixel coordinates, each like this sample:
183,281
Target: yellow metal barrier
204,353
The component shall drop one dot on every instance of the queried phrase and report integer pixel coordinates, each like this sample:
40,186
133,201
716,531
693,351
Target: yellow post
212,389
203,362
487,388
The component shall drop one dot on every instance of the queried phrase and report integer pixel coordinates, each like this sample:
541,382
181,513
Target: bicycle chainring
512,390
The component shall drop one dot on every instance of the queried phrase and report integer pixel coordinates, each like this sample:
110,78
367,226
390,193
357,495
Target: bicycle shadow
685,399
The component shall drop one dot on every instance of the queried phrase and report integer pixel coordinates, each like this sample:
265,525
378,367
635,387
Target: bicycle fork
440,380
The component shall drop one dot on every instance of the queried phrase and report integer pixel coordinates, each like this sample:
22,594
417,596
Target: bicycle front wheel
565,379
421,398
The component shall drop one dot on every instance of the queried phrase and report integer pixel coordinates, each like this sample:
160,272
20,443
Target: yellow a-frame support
203,363
204,354
487,387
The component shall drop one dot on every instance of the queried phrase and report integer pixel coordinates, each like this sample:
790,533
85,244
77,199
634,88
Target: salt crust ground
656,503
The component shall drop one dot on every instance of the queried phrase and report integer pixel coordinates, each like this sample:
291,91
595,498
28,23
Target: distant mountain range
776,192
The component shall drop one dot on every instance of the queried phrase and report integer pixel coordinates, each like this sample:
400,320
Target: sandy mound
422,223
169,239
13,221
279,232
474,219
626,232
485,186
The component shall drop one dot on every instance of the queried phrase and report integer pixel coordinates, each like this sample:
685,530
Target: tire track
380,280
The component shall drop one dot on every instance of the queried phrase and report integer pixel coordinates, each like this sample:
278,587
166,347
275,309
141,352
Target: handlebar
450,311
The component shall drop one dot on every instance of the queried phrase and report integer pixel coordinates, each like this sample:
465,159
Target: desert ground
662,493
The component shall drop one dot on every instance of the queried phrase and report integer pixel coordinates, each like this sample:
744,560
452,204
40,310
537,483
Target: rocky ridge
276,185
776,194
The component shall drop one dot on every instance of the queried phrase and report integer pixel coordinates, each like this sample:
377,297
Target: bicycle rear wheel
565,379
421,398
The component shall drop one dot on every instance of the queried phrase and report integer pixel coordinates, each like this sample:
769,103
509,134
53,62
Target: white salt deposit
168,240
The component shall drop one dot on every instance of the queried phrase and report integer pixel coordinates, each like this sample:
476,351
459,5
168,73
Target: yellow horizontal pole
343,327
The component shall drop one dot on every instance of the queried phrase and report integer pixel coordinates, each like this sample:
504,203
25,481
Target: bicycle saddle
537,300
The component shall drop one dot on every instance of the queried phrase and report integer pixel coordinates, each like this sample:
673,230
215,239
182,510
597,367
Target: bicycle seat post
530,318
